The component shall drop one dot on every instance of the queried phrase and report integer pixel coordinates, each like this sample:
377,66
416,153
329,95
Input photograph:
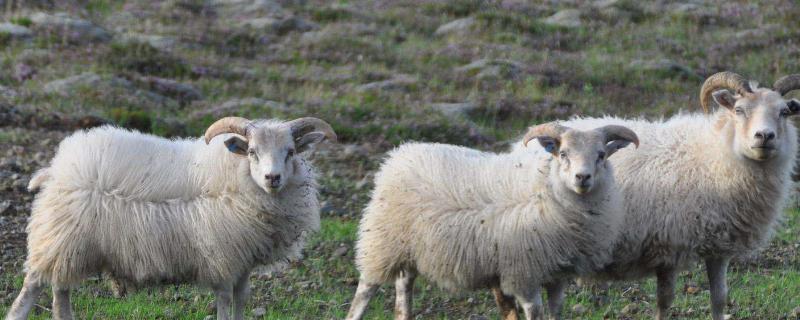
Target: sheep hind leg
505,304
361,299
241,291
555,297
62,308
665,290
717,269
532,303
25,300
224,296
404,289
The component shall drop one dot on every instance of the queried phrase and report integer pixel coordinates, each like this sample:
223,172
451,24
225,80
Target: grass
321,286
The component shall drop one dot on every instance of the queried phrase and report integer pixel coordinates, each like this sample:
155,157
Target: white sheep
702,186
467,219
148,210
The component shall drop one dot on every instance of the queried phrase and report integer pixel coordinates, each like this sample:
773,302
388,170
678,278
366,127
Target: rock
459,26
248,7
630,309
398,82
567,18
74,29
210,318
232,106
485,69
4,206
23,72
163,43
727,317
279,25
259,312
183,92
796,312
8,93
454,109
68,85
15,31
664,67
340,251
578,309
120,88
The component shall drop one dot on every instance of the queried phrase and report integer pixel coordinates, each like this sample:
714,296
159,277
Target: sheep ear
549,144
724,98
236,145
307,140
794,107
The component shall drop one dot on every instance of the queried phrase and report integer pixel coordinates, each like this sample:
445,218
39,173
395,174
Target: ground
466,72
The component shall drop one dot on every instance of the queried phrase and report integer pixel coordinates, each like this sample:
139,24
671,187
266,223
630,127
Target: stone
163,43
340,251
397,83
210,318
259,312
567,18
630,309
459,26
578,309
75,30
484,69
15,31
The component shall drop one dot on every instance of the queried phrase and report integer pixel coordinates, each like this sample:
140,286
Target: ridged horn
614,132
235,125
550,129
787,84
722,80
305,125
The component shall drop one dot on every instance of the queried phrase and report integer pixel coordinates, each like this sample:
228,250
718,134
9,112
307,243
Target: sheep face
760,121
270,146
580,156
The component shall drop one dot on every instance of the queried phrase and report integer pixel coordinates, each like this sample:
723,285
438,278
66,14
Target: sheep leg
505,304
404,287
716,269
665,288
532,303
241,291
364,293
62,309
555,297
25,300
224,295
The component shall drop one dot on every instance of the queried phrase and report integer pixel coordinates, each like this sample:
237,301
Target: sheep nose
765,135
583,177
273,179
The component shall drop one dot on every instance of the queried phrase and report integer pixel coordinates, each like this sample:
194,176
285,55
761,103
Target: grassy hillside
466,72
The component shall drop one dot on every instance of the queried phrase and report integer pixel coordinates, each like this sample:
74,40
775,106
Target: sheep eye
739,111
785,112
563,154
601,156
289,154
251,152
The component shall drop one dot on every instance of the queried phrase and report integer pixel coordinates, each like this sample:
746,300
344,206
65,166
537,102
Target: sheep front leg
224,295
241,291
404,288
364,293
62,309
665,288
25,300
505,304
532,303
717,269
555,297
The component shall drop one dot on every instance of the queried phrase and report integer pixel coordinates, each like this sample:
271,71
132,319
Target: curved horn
722,80
613,132
235,125
305,125
551,129
787,84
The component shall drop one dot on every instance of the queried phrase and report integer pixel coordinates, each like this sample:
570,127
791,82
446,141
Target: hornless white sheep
148,210
702,186
467,219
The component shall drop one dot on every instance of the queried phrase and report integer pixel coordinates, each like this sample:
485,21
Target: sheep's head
270,146
581,155
759,114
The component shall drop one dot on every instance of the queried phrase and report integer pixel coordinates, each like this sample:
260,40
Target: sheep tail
38,179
